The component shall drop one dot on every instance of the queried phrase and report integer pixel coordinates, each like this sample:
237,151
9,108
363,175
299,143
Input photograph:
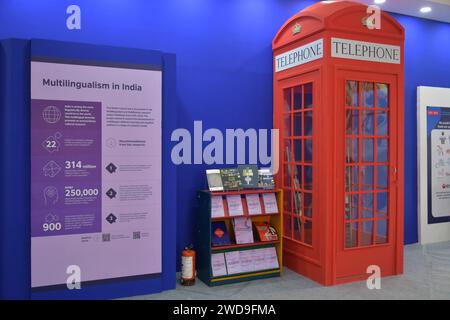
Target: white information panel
95,172
433,164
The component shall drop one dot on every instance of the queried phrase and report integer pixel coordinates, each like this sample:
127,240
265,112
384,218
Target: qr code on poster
137,235
106,237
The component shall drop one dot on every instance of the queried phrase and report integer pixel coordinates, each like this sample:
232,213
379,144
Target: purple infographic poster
95,172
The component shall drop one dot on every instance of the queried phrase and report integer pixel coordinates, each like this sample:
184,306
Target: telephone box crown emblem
365,21
296,29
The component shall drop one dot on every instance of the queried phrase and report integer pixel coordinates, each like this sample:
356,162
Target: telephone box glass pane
368,121
382,150
297,228
287,148
352,122
367,178
367,156
298,177
308,178
287,201
367,205
298,150
382,177
382,123
351,153
351,94
308,94
351,207
288,225
382,232
307,204
351,179
351,234
297,209
368,150
382,95
366,233
308,232
287,176
288,151
308,151
287,125
298,124
382,204
298,98
367,95
308,123
287,100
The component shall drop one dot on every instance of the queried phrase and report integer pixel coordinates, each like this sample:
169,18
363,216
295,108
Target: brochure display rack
231,245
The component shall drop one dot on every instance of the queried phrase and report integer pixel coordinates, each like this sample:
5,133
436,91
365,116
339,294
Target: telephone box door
367,152
298,103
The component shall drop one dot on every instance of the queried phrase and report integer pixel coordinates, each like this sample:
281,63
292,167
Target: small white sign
432,167
365,51
298,56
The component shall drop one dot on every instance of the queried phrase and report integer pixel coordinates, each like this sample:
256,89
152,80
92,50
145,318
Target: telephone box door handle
394,172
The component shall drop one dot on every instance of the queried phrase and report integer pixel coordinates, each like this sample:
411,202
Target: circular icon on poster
51,114
111,143
50,195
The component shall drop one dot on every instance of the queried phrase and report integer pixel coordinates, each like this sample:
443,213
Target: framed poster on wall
434,164
96,134
90,185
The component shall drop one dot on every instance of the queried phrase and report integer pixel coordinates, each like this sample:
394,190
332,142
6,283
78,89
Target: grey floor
427,276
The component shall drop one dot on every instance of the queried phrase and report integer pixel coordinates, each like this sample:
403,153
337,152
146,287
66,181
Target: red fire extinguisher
188,266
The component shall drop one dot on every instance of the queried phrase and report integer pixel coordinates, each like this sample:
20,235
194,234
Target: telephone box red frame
324,242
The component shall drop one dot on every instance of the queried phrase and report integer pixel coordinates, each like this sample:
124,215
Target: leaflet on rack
270,203
253,204
218,265
217,209
235,205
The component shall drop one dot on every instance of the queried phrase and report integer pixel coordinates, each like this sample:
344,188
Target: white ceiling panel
440,8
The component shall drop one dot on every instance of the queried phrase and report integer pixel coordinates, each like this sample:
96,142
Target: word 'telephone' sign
340,48
365,51
95,171
298,56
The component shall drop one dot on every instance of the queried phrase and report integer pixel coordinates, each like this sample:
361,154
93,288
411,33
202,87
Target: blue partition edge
15,266
15,277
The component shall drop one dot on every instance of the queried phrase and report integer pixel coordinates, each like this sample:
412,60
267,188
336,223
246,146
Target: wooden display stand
204,242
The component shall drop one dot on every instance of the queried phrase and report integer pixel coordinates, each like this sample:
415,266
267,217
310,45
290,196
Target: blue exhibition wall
224,65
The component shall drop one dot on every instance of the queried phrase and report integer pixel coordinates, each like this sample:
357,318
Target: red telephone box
338,103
